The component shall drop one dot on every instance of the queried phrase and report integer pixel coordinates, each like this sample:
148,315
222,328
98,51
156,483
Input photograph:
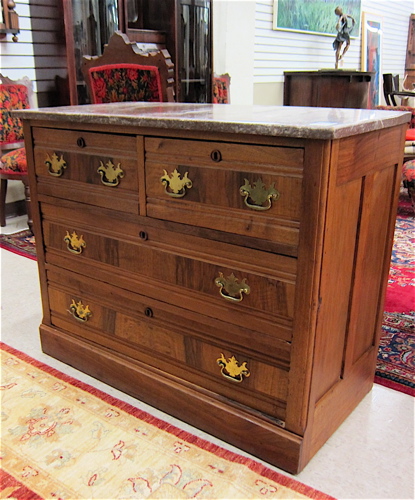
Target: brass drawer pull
110,174
230,289
79,311
260,196
174,186
74,243
232,370
216,155
55,165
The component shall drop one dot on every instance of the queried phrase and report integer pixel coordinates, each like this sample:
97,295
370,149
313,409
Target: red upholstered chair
408,168
123,73
220,89
14,95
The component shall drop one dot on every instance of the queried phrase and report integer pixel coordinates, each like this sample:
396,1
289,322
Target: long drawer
94,168
240,189
247,287
160,335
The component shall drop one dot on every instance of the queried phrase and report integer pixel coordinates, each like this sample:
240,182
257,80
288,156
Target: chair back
14,95
390,86
220,89
122,73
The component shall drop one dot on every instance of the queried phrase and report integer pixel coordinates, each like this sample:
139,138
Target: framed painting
316,16
372,54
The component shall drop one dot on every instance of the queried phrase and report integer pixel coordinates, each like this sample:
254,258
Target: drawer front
247,287
99,169
160,336
243,189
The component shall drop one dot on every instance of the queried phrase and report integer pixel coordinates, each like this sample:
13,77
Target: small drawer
166,338
93,168
247,287
238,188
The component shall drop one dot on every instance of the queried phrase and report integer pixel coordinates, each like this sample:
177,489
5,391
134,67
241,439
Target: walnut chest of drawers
224,264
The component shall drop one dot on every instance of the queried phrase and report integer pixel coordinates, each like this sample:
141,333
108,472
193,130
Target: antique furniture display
124,74
391,90
217,261
14,95
408,168
183,27
409,78
187,25
327,88
221,89
88,27
9,20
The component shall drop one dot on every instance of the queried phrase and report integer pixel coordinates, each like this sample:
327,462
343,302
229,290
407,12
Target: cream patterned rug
63,439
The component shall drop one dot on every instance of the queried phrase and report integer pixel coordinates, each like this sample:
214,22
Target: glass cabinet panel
94,21
194,71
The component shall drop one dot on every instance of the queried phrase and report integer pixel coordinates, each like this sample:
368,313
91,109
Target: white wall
233,45
276,51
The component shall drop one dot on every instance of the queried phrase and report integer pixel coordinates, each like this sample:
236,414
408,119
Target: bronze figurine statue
344,27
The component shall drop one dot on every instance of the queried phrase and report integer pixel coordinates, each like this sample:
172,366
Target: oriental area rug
396,357
64,439
21,243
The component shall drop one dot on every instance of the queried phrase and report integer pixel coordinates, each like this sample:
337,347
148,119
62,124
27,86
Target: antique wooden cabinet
328,88
225,264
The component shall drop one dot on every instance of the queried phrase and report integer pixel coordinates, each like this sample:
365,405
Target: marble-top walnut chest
224,264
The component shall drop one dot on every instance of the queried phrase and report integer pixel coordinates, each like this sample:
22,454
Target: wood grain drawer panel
188,266
214,199
80,180
159,271
164,340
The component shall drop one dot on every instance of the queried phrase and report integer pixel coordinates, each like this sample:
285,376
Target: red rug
396,358
21,243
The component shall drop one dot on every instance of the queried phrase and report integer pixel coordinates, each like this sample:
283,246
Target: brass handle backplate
56,165
230,288
174,186
110,174
232,370
79,311
74,243
258,197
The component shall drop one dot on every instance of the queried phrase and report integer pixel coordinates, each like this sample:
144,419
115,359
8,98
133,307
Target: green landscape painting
315,16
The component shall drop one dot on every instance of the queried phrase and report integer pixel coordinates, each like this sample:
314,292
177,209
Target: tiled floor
370,456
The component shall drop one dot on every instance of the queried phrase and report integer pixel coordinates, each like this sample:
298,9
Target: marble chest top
285,121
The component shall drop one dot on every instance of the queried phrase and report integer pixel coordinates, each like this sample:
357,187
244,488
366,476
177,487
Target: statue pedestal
332,88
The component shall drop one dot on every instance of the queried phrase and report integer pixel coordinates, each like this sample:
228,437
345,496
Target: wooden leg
28,205
3,192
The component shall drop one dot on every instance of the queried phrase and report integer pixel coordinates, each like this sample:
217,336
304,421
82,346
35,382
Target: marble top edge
286,121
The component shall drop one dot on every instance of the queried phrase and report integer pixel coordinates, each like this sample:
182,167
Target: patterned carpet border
21,243
230,456
395,367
